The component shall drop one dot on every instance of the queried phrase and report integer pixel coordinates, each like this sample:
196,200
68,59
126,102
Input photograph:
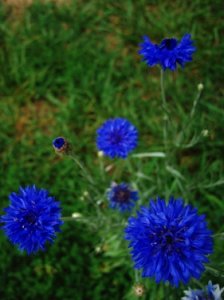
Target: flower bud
98,249
85,193
100,154
200,87
204,132
76,215
61,145
139,290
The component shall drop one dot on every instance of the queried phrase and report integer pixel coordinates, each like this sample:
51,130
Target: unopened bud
139,290
61,145
109,168
200,87
100,154
76,215
99,202
85,193
98,249
204,132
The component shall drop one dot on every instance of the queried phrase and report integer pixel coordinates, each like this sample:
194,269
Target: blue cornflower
122,197
117,137
168,53
170,241
61,145
210,292
32,219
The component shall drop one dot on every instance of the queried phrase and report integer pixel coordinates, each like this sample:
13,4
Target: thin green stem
119,167
165,126
195,104
164,106
80,220
162,88
66,219
213,271
136,276
102,170
190,120
86,174
218,235
83,169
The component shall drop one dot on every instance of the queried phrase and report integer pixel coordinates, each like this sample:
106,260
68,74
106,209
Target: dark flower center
169,239
168,44
122,196
165,239
59,142
30,218
115,139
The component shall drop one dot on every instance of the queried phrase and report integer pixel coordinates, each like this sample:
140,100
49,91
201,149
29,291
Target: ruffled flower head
122,197
32,219
210,292
117,138
170,242
168,53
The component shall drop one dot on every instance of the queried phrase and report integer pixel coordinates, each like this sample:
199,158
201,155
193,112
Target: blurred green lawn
63,71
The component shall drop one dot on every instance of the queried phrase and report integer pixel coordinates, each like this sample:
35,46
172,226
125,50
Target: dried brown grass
24,3
21,4
18,6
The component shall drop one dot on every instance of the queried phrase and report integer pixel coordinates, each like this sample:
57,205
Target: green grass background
63,71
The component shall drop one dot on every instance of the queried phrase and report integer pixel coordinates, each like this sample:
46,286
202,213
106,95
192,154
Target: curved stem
192,113
85,172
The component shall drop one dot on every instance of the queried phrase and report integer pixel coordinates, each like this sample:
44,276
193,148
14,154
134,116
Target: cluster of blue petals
168,53
117,138
210,292
170,242
32,219
122,197
59,143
